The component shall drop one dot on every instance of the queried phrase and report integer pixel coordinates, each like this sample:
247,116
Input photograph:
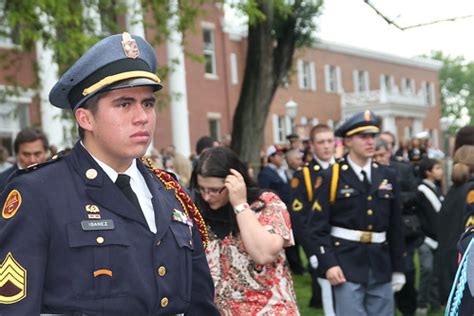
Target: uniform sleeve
202,291
23,248
469,208
275,217
319,226
395,230
300,208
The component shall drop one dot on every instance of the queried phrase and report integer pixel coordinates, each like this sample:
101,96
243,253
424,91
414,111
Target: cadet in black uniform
304,187
74,242
356,225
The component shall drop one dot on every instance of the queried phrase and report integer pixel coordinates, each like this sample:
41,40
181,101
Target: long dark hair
217,162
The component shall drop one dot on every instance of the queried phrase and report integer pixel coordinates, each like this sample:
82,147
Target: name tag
105,224
347,190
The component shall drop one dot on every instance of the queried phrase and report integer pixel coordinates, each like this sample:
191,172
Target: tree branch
403,28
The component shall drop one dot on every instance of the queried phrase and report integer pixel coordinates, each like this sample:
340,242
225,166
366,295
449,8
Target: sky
353,22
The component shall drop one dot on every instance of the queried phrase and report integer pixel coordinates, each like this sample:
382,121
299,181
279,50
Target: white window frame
428,93
387,83
408,86
332,79
209,49
306,75
361,81
234,73
279,123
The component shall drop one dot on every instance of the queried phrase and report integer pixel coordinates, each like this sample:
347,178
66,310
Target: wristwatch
241,207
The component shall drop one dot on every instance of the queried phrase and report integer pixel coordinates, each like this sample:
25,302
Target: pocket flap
79,238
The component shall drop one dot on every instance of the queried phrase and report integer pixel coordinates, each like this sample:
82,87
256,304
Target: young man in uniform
99,231
356,227
304,187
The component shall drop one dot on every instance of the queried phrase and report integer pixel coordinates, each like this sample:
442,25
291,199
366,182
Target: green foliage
457,89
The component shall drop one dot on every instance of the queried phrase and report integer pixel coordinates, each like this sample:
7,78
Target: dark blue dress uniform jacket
268,178
377,210
160,274
302,201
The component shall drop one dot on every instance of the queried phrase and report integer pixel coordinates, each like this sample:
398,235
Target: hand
398,281
235,184
335,275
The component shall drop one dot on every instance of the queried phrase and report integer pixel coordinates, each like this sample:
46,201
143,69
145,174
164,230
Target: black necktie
365,180
123,183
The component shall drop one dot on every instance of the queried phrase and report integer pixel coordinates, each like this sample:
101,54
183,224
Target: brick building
328,82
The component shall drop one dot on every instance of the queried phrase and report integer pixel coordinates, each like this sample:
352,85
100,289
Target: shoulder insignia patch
297,205
317,206
12,204
12,281
318,182
470,197
294,183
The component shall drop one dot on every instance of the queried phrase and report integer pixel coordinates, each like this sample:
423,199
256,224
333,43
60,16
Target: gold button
370,212
369,198
91,174
164,302
161,271
370,227
100,240
158,242
337,243
386,195
347,194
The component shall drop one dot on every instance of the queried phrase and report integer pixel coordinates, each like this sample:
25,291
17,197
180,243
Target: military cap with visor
360,123
116,62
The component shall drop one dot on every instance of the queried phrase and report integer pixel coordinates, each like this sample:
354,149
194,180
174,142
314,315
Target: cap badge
367,116
129,46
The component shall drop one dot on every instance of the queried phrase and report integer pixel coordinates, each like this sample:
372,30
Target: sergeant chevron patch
12,281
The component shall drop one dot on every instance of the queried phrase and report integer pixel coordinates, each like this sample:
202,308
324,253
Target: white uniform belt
358,235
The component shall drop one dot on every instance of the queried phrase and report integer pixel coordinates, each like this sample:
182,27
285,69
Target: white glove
398,280
313,261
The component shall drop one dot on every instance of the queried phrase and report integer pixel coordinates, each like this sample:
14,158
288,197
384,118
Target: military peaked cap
360,123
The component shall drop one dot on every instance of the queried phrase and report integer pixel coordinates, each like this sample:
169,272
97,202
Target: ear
84,118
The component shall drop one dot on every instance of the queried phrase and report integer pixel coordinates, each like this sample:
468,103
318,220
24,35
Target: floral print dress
243,287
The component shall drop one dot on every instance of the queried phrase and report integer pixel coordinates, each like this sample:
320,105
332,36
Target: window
387,83
214,120
306,75
428,92
209,51
408,86
234,75
361,81
9,37
279,128
332,78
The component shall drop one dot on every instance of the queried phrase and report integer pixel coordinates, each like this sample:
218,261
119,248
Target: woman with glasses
248,229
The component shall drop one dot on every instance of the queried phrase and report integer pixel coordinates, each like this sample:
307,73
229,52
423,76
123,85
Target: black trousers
406,298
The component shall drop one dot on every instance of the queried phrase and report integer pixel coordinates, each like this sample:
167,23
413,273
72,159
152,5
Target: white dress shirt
357,169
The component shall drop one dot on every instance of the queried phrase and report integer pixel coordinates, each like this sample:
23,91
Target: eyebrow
131,99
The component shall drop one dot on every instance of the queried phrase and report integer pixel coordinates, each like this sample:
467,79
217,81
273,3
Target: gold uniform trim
119,77
334,181
361,129
307,182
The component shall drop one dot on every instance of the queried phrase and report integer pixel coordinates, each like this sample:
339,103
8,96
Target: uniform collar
324,164
357,169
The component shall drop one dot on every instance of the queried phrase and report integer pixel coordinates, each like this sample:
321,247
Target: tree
457,90
276,28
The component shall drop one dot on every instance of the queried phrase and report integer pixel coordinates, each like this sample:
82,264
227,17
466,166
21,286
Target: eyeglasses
210,191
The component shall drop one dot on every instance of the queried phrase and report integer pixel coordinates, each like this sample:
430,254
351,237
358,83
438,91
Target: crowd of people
207,235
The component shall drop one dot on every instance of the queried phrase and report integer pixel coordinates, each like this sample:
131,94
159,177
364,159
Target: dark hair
465,136
216,162
425,165
392,135
28,135
203,143
91,105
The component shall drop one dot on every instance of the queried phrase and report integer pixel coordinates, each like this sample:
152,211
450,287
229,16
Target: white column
389,124
177,85
51,121
417,126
